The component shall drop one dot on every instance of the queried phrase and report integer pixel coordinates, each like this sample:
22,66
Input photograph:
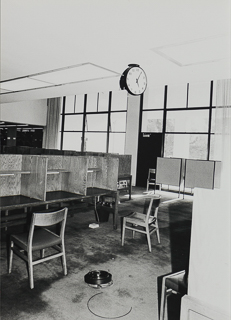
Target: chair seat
42,239
177,283
138,218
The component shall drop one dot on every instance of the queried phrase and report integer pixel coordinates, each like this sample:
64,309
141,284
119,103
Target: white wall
28,112
210,263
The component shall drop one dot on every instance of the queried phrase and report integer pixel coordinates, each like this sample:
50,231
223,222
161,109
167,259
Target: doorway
149,148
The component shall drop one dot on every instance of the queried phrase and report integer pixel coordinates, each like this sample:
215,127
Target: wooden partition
102,172
23,175
33,184
67,173
34,175
10,174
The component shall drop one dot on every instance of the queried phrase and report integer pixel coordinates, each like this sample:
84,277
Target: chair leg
123,232
158,234
64,261
163,300
149,240
30,269
147,186
42,253
133,234
11,256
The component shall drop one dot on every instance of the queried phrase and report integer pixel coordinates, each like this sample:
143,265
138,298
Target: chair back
151,174
45,219
152,212
152,170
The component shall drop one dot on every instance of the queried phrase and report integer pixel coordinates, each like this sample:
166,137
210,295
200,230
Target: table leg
115,215
6,214
130,188
95,209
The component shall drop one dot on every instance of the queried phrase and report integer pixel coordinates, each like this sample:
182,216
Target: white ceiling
174,41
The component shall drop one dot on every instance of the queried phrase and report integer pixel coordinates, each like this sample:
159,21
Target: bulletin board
199,173
168,171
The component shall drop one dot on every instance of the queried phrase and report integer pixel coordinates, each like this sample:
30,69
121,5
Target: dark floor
136,273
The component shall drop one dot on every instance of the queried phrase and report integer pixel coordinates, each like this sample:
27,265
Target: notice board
199,173
168,171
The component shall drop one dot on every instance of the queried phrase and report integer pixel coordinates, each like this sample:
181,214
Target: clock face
136,81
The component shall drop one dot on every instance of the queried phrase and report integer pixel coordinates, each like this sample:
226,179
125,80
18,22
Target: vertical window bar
187,95
75,104
210,119
97,108
164,119
84,121
62,124
109,121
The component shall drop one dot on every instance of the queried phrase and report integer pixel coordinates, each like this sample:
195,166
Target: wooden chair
23,245
146,222
174,283
151,180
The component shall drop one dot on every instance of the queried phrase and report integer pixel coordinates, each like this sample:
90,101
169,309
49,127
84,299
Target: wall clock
134,80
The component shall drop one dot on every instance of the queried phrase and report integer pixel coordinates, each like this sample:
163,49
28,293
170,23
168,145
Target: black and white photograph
115,159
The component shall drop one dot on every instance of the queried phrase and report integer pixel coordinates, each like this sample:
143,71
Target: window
187,121
189,146
177,96
154,98
117,143
118,121
152,121
96,122
119,101
199,94
73,122
100,108
184,121
95,142
72,141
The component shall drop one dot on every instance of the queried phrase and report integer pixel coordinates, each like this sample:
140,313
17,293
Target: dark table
18,201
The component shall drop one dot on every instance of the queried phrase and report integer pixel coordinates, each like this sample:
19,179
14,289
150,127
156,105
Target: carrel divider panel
74,178
33,184
103,172
10,174
94,174
111,165
54,168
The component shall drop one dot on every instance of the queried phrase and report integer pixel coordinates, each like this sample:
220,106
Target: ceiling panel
63,76
198,51
78,73
23,84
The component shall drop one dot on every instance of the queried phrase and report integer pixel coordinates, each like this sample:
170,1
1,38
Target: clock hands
137,80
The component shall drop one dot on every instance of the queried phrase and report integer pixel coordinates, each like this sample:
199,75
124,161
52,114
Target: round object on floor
98,278
111,305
